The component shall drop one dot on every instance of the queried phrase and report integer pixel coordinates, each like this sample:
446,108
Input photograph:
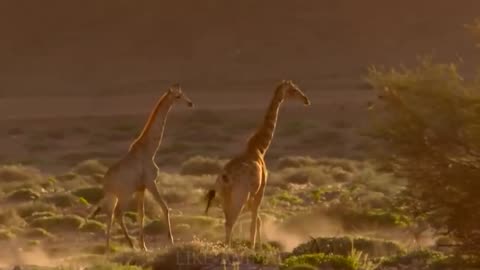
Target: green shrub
93,226
199,165
344,245
420,259
196,221
92,194
58,223
328,261
287,197
22,195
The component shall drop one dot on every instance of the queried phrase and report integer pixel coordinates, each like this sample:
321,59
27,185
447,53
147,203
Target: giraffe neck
151,136
260,141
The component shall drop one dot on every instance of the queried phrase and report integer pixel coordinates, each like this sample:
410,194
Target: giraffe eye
178,97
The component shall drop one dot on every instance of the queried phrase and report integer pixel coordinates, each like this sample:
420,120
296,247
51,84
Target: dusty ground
68,130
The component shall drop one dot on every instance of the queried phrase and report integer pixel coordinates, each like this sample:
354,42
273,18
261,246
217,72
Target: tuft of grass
22,195
200,165
67,223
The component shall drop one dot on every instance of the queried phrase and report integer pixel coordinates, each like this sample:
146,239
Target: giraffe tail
209,197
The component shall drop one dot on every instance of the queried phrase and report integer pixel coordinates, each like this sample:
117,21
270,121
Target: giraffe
243,179
136,172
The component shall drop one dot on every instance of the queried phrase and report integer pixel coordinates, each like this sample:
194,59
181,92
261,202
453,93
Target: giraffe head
289,90
177,95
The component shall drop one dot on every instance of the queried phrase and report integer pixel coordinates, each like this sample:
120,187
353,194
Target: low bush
90,167
344,245
68,223
93,226
199,165
27,210
419,259
201,222
320,260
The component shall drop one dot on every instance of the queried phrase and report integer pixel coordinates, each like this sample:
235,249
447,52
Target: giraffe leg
166,211
120,216
259,229
232,210
141,218
253,228
256,221
112,204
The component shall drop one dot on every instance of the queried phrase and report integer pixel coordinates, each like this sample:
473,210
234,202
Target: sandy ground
66,130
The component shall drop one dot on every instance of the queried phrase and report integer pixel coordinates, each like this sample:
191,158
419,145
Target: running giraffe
137,171
244,178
